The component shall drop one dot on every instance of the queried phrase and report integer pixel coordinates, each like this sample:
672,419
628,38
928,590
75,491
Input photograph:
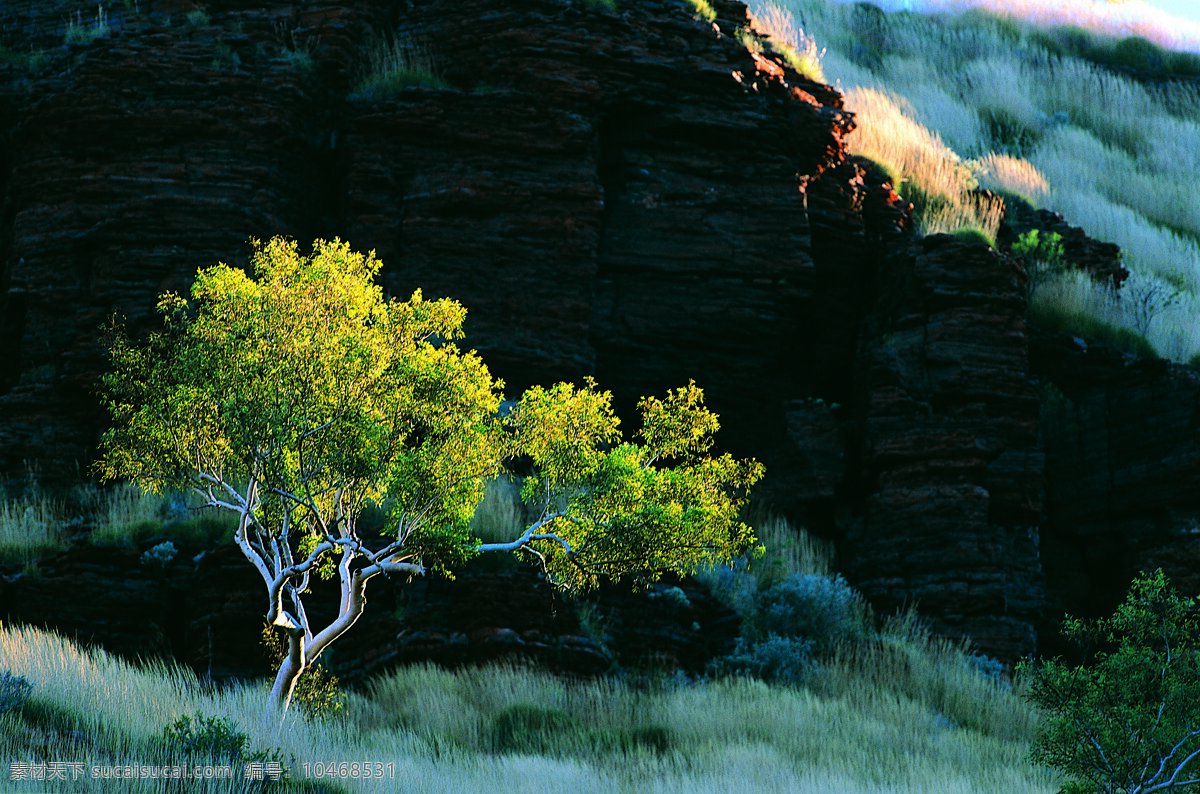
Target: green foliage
530,728
1130,721
317,690
80,32
973,235
159,556
775,659
610,5
31,62
790,623
1056,319
14,691
225,58
1135,52
824,610
306,381
1006,132
405,64
612,509
1042,256
295,396
703,10
209,738
1035,247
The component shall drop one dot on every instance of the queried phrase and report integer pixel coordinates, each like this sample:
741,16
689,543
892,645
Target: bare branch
528,535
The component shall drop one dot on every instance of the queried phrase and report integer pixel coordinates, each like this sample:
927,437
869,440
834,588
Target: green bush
405,64
824,610
210,738
216,740
14,691
318,692
1135,52
1007,132
1130,720
790,623
529,728
778,660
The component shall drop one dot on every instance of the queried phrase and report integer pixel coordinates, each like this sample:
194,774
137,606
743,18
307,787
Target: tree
1130,722
296,396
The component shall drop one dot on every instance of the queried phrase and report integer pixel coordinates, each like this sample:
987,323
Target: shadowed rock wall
632,195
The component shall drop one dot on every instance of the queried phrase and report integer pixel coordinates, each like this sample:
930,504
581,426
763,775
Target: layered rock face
630,194
952,465
205,609
1122,442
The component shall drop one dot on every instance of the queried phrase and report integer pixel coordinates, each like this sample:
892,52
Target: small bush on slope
1130,722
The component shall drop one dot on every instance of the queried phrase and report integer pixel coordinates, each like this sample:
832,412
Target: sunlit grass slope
885,710
872,723
1006,102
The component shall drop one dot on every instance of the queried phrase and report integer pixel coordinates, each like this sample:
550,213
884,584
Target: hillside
647,192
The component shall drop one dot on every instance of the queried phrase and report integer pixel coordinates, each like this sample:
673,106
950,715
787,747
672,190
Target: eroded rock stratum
629,194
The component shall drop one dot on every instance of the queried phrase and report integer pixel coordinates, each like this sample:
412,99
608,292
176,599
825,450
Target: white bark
271,555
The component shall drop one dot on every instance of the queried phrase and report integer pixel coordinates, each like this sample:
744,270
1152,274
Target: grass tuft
393,69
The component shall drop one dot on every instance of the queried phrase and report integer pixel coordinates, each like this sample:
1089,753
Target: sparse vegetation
1035,100
703,10
81,32
393,68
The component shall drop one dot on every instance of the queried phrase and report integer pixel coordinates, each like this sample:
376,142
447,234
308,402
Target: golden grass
1111,155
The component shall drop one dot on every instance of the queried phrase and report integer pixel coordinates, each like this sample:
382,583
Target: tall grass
950,102
437,728
30,527
392,68
1099,18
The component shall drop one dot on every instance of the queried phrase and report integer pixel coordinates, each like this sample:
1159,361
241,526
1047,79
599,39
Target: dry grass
1110,19
405,63
30,527
1113,156
434,727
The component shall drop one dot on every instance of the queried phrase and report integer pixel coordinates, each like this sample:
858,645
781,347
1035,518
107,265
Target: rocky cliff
629,193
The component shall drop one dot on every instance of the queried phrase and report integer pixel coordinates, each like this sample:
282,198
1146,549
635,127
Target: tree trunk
290,669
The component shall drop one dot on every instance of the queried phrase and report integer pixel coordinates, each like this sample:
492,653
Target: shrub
1134,52
318,692
217,740
534,729
703,10
210,738
159,556
780,660
973,236
1057,319
1042,256
1130,721
826,611
1006,131
14,691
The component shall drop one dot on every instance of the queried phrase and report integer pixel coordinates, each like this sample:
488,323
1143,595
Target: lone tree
297,396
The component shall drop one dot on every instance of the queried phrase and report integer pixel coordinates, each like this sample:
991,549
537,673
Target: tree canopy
296,394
